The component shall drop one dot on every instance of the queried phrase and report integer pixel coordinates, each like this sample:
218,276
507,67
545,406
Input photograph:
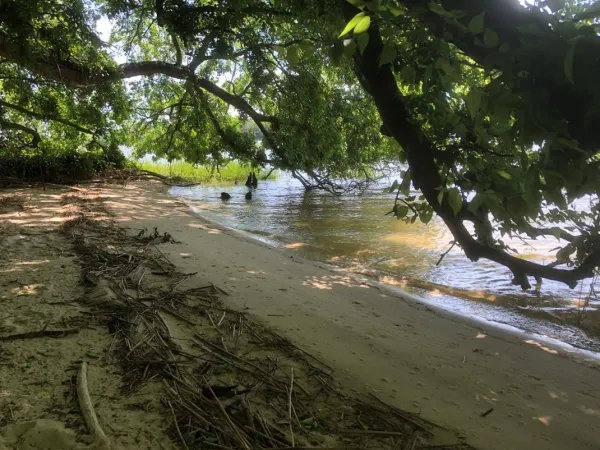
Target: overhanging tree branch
381,84
544,68
35,136
52,117
79,77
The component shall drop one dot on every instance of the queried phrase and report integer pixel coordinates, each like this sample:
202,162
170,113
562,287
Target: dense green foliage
492,105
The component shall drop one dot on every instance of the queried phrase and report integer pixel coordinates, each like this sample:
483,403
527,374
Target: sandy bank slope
449,369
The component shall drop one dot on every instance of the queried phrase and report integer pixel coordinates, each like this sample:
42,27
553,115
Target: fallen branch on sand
39,334
88,412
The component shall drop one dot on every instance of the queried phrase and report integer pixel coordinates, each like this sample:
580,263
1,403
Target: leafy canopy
492,105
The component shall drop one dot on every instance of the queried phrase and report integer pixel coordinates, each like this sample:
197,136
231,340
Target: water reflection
353,232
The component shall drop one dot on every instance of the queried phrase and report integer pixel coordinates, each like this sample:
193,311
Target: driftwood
87,410
39,334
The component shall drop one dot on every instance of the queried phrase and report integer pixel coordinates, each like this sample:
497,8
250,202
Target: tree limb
79,77
40,116
179,57
35,140
381,84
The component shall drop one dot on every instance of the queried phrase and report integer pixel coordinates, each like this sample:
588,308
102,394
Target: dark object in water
249,195
236,182
252,181
225,196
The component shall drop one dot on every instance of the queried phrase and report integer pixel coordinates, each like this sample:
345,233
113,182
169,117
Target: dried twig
177,426
290,407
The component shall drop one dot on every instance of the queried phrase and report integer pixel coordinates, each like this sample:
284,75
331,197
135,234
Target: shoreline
564,348
494,389
417,358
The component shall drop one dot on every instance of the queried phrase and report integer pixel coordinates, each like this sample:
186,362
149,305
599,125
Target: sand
447,368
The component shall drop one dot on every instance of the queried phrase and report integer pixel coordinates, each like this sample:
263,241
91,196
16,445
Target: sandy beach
496,388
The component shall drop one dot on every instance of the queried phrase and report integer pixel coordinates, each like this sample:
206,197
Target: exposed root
87,410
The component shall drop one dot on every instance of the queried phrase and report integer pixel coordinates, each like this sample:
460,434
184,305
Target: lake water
352,231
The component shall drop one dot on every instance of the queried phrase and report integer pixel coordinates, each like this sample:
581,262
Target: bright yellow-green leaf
505,174
353,22
363,25
476,24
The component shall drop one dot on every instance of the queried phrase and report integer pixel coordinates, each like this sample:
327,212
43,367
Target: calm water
352,231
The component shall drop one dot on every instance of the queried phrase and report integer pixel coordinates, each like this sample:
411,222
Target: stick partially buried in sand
87,410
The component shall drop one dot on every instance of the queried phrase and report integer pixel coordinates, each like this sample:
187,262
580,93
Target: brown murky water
353,232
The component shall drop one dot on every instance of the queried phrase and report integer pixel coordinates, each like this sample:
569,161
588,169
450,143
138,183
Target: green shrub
233,171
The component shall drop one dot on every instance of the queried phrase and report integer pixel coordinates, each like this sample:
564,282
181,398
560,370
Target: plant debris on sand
229,383
206,375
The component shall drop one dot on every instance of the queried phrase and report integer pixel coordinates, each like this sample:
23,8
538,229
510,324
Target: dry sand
421,359
449,369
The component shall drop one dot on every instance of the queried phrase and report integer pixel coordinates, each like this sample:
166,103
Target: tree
491,104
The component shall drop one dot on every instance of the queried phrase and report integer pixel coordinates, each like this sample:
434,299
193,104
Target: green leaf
405,185
393,187
455,200
569,57
473,100
362,26
401,212
427,78
425,216
388,54
352,24
293,56
350,49
439,10
505,174
440,197
490,38
407,74
362,40
396,12
360,4
444,65
476,24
